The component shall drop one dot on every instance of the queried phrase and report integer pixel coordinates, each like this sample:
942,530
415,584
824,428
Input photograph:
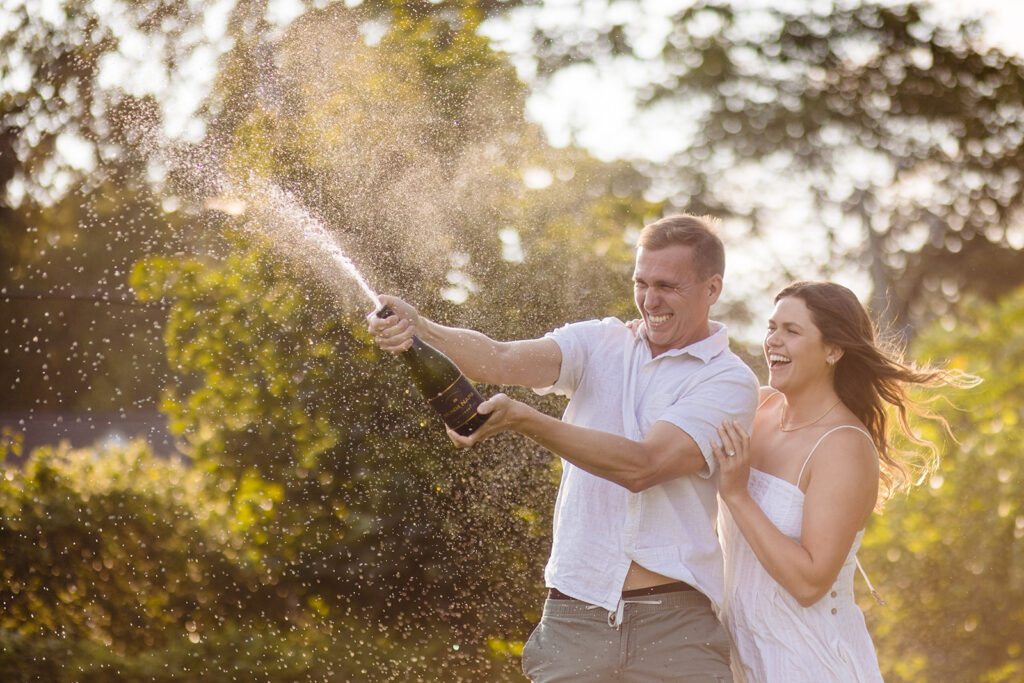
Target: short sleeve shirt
615,385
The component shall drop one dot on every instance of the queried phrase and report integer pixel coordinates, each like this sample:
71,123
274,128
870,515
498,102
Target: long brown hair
870,375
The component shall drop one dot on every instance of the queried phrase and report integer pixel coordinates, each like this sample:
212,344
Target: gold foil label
457,404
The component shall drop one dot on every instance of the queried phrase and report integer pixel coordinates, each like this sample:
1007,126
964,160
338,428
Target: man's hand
394,334
503,410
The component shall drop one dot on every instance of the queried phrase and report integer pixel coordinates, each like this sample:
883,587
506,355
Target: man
635,572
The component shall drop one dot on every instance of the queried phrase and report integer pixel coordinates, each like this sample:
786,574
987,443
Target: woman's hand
634,326
733,456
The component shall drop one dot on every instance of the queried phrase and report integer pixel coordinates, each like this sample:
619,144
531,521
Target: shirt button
834,594
834,610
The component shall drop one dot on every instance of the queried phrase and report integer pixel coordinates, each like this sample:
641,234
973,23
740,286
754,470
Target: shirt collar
703,350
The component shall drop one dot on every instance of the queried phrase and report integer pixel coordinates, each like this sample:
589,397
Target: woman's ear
832,355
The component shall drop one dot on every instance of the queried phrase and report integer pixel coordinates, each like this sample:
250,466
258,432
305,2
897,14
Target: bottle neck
417,344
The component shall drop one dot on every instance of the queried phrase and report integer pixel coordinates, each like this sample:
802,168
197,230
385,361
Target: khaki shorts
667,637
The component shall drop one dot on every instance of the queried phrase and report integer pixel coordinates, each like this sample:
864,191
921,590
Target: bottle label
457,406
471,425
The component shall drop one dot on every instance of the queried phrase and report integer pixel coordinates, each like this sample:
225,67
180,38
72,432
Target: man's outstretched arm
531,363
665,453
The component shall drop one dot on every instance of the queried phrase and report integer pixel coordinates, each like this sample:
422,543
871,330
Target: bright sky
591,106
594,106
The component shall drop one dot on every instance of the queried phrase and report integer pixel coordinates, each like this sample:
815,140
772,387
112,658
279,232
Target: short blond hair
697,232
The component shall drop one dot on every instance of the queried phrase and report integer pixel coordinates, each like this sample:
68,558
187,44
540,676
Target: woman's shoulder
843,465
848,434
846,428
848,449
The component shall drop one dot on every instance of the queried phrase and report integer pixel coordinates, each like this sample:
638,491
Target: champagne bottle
443,385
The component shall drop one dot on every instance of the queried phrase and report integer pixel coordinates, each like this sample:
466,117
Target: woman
799,491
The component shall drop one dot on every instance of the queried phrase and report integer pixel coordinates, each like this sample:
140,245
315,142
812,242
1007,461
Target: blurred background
210,471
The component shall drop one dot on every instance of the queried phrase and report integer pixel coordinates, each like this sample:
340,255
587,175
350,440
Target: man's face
672,299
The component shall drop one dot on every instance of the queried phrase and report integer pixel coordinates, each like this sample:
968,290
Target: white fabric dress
775,639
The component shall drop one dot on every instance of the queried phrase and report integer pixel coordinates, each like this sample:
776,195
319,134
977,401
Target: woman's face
797,356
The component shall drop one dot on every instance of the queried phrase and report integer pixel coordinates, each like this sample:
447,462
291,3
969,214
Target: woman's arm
841,493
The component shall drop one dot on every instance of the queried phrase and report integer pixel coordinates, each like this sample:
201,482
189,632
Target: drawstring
874,593
615,617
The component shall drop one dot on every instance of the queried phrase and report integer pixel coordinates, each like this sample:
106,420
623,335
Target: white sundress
775,639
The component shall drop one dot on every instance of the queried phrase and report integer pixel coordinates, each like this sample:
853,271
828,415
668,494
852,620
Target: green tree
76,206
948,555
120,565
410,153
898,133
109,555
324,528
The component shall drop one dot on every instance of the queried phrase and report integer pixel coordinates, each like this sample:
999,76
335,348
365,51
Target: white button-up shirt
614,385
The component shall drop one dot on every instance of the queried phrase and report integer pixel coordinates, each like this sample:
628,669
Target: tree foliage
77,208
349,537
82,196
119,565
905,130
948,555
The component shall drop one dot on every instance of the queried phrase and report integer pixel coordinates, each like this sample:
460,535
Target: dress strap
769,397
874,593
815,447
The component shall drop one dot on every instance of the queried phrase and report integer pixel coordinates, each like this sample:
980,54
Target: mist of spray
380,163
270,211
294,233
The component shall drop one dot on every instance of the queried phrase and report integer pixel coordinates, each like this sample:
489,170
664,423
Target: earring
831,361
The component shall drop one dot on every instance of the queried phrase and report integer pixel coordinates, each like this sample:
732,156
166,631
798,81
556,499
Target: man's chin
661,332
659,340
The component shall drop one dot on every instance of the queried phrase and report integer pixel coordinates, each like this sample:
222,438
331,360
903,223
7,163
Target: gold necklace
782,418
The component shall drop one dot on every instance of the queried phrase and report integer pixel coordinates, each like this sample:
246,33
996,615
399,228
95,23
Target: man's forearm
476,354
588,449
635,465
529,362
532,363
